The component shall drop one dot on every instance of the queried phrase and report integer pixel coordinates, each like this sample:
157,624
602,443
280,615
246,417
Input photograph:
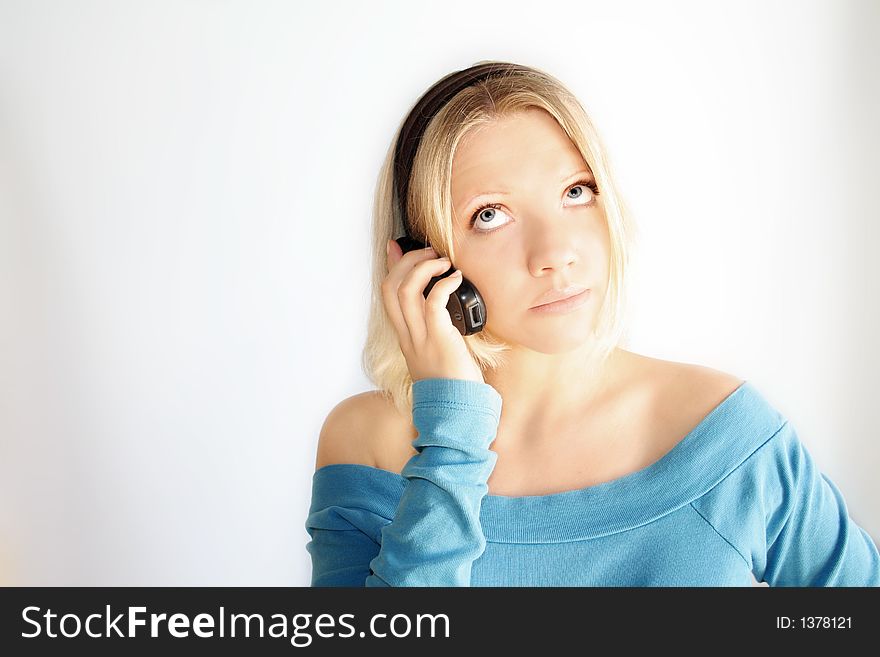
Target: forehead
512,148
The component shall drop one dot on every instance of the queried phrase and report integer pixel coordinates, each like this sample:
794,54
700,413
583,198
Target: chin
554,338
554,347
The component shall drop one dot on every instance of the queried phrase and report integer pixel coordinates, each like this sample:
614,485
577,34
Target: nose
552,247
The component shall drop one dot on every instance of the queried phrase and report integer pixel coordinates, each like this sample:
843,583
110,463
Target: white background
185,193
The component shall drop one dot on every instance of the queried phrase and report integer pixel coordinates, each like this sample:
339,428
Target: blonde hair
430,212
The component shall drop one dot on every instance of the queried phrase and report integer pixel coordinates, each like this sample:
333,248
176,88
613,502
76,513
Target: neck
545,391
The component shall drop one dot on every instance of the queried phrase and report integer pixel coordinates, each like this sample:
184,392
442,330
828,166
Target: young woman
532,449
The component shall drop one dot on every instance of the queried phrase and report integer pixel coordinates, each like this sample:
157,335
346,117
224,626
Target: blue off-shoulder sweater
738,496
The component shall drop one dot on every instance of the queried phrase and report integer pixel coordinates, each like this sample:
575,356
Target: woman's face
547,230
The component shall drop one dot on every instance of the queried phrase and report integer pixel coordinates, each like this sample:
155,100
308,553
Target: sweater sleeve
344,524
435,533
810,538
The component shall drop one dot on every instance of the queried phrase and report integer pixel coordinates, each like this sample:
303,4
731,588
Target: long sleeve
787,519
344,525
811,539
433,535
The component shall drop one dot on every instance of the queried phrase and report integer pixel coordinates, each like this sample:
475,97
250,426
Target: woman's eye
486,214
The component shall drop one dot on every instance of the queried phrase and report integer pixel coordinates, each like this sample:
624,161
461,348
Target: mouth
561,294
565,305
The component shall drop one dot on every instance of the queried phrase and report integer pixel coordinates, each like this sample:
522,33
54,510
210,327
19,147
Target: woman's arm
810,538
433,536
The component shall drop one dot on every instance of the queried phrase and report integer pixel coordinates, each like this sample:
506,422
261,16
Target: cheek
474,262
485,273
484,261
504,292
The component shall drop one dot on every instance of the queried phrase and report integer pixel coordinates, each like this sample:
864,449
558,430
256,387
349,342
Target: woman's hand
431,344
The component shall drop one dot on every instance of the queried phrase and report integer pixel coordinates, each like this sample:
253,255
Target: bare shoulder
679,395
705,384
353,427
688,391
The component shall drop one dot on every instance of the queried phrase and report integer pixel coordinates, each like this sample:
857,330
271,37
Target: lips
559,294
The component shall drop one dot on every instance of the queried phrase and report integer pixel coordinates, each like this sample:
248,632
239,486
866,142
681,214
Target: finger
392,307
399,265
394,247
411,294
437,320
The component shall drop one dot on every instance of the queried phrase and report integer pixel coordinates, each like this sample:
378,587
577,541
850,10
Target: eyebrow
579,172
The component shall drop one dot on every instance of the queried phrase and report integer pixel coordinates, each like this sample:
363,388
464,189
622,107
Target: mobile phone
466,308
